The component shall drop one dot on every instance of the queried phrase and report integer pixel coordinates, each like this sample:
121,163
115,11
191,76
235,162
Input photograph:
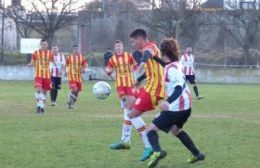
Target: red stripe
126,66
141,129
41,71
57,71
181,103
190,99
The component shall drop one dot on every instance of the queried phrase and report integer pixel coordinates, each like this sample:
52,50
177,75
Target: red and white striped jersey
187,61
174,76
56,66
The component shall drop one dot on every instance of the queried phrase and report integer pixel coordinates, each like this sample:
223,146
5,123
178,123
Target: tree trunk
246,50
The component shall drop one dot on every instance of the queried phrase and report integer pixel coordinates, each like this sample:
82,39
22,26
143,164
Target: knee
175,130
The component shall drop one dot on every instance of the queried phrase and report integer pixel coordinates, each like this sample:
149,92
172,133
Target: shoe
146,154
120,145
70,106
155,157
197,158
38,110
42,110
200,97
53,103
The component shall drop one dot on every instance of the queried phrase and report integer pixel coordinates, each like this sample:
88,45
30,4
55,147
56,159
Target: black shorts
190,78
56,82
167,119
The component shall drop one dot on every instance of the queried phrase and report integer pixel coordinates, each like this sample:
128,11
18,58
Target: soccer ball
101,90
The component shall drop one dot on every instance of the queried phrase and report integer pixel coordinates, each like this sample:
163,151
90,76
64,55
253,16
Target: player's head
55,48
138,38
75,49
119,47
44,44
170,49
189,50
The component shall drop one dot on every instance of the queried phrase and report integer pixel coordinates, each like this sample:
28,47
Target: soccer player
187,60
177,107
57,69
41,60
77,65
123,63
153,91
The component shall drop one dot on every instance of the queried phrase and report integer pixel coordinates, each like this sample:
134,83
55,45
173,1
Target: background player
57,69
187,60
123,63
41,60
77,65
177,107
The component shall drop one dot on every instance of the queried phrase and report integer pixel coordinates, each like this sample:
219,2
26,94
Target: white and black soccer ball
101,90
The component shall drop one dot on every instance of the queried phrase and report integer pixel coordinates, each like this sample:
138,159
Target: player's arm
146,56
33,60
84,65
109,68
160,61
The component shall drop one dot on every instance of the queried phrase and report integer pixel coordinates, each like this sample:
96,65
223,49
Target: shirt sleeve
51,56
84,62
175,77
110,63
133,62
67,61
34,57
63,62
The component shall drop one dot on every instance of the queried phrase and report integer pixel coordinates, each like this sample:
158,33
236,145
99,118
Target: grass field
225,125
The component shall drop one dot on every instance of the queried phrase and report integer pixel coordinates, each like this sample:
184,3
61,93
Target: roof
213,4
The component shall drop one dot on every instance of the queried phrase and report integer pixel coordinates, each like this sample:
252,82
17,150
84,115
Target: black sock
196,91
55,95
154,140
188,143
52,95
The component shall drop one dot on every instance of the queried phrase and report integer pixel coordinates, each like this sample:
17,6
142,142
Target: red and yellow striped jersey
154,72
42,60
75,65
122,65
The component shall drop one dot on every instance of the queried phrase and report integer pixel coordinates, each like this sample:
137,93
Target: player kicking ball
41,60
123,63
77,65
177,107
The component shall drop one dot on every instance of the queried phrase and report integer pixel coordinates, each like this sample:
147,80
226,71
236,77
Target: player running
187,60
77,65
57,69
123,63
41,60
177,107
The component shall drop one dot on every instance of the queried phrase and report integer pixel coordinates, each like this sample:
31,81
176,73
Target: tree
177,18
242,24
44,16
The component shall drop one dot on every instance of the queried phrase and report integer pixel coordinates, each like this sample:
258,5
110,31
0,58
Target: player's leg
57,88
45,88
38,84
184,137
53,91
73,95
124,143
195,87
38,91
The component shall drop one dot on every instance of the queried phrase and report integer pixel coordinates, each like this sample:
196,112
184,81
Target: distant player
77,65
187,60
57,69
177,107
41,60
123,64
153,90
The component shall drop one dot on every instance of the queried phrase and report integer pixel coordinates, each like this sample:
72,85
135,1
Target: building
228,4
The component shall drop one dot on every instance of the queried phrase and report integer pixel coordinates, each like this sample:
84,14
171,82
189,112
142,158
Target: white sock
127,127
42,100
140,126
38,97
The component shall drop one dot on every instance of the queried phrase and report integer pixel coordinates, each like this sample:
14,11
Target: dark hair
170,47
118,41
138,33
54,45
43,40
75,45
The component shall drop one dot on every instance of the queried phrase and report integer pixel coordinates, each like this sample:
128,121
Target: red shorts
75,85
125,91
145,101
43,83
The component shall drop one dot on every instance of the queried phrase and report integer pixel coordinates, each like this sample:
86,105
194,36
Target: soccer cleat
53,103
146,154
197,158
120,145
200,97
38,110
70,106
42,110
155,157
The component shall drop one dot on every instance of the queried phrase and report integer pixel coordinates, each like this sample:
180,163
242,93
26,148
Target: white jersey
174,76
56,66
187,61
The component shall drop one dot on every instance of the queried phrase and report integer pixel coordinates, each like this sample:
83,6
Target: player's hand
30,64
164,106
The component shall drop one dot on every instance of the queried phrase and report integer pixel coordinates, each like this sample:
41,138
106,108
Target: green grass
225,125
